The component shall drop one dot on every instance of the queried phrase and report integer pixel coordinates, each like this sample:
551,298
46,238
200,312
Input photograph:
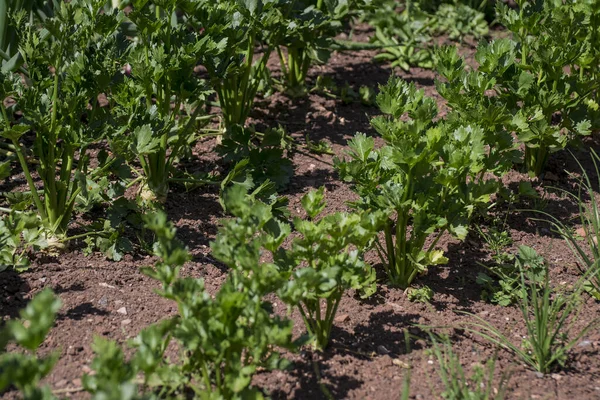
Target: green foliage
423,294
23,369
502,281
310,28
549,319
408,36
71,60
457,386
538,79
236,26
9,34
585,249
160,98
328,257
259,157
427,179
19,234
225,337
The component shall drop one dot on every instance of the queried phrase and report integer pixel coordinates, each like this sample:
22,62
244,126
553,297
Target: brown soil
368,356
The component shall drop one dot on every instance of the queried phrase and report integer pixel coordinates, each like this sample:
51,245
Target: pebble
122,310
76,382
61,383
342,318
126,322
382,350
103,301
584,343
580,232
400,363
539,374
556,377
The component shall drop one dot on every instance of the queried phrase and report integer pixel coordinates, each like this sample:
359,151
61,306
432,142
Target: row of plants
223,339
431,177
97,100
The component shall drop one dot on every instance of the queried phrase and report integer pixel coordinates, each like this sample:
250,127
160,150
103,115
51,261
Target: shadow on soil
307,387
12,290
194,214
81,311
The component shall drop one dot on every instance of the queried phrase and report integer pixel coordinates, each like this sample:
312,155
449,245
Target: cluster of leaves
330,253
427,179
21,368
502,282
159,102
534,84
70,62
407,36
19,233
308,39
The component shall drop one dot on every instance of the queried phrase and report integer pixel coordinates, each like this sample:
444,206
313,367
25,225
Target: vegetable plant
22,368
19,234
327,256
160,102
311,27
70,61
535,78
35,10
235,73
549,319
225,338
426,179
502,281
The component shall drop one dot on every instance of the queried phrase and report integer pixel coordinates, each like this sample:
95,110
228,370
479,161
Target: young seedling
326,260
548,316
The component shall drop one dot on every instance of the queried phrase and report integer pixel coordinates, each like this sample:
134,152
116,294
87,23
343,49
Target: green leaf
313,202
144,140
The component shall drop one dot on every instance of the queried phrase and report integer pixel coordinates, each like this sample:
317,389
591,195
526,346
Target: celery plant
36,9
540,86
161,98
235,74
425,179
328,257
308,37
70,61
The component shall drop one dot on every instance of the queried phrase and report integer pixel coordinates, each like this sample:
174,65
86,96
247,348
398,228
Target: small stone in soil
103,301
342,318
539,374
400,363
382,350
584,343
122,310
126,322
